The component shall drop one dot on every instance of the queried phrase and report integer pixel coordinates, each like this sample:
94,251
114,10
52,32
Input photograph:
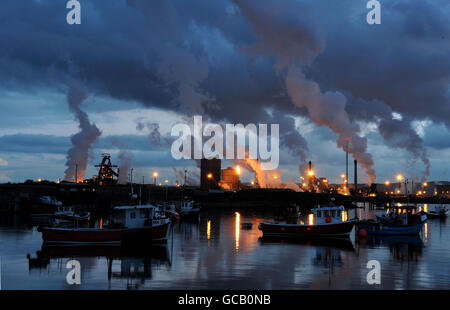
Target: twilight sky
315,67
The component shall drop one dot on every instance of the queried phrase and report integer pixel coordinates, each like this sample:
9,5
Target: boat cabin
134,216
327,215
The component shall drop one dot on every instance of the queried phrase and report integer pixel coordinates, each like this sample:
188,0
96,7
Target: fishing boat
128,225
189,210
438,212
393,211
69,214
327,221
404,221
51,201
169,211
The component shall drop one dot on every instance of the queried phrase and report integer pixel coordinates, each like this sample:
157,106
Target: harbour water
218,253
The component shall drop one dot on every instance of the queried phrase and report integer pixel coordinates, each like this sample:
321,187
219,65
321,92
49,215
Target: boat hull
295,230
378,228
79,236
434,215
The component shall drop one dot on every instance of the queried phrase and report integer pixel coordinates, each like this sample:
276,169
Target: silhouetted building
211,168
230,179
106,174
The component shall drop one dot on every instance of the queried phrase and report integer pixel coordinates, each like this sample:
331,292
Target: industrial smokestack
356,175
310,165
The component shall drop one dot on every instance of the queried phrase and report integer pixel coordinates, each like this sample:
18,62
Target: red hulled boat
330,221
128,225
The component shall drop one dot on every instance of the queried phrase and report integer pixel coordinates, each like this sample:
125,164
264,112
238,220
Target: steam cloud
125,159
295,42
78,154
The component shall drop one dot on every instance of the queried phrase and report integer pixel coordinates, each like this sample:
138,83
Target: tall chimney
356,175
310,178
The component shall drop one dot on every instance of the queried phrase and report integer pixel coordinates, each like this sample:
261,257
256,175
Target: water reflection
225,250
237,229
134,265
402,248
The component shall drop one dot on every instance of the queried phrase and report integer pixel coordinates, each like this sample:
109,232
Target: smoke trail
154,135
78,154
397,134
294,42
125,159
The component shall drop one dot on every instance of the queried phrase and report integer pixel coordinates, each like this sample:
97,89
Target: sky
134,68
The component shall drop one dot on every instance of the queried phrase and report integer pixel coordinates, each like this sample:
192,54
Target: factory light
387,183
425,184
238,170
399,177
155,174
310,173
311,219
209,176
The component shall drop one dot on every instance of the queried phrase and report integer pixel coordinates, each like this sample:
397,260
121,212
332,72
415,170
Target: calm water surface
216,253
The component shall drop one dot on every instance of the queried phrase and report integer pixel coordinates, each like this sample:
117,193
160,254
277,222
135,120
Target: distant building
442,190
230,179
211,167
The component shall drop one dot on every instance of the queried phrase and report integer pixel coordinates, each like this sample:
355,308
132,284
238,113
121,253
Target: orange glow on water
238,223
101,223
311,219
208,230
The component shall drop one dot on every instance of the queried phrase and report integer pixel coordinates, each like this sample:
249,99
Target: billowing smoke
78,154
295,42
192,177
185,71
125,160
397,133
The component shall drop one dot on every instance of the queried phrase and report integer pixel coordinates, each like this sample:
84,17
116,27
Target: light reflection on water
218,253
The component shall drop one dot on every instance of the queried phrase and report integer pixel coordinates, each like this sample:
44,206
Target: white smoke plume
294,41
397,133
78,154
192,178
125,160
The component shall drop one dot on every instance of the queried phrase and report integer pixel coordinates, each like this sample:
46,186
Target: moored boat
128,225
69,214
377,227
328,221
393,211
403,221
189,210
439,212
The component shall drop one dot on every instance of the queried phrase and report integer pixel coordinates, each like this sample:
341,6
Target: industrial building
210,173
230,179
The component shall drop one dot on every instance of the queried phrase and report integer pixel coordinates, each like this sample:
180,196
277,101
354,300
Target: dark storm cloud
437,137
36,143
403,62
24,143
193,57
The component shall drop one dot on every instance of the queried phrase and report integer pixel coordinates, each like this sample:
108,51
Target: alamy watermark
374,15
74,14
374,275
74,275
214,147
